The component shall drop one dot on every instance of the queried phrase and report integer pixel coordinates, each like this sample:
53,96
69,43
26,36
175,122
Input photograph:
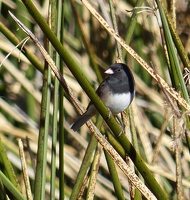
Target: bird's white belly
118,103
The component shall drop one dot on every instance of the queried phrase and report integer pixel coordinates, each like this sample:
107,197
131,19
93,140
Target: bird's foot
109,115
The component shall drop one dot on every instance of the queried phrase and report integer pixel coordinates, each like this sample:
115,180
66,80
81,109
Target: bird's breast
117,102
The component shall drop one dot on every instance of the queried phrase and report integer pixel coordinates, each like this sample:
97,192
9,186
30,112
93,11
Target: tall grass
45,82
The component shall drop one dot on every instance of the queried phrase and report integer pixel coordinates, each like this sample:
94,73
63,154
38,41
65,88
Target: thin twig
177,147
22,43
24,170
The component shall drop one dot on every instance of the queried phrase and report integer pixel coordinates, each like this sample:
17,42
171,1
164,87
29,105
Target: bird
116,91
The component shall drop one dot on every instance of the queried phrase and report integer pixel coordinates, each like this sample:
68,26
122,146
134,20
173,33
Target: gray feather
91,111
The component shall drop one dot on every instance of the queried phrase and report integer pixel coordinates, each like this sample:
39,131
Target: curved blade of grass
9,185
3,195
6,166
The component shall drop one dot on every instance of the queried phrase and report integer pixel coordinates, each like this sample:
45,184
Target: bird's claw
109,115
120,133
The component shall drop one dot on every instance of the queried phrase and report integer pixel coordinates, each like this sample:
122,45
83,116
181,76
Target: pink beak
109,71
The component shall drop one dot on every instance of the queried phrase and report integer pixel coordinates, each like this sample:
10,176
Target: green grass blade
175,66
40,177
12,189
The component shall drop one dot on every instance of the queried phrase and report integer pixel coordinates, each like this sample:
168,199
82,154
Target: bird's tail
80,121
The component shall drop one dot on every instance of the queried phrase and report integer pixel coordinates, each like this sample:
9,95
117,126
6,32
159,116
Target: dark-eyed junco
116,92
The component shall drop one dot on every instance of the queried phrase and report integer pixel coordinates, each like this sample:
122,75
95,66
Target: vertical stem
132,23
177,147
53,20
60,29
40,177
119,51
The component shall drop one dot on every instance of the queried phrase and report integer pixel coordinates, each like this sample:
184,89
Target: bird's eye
118,70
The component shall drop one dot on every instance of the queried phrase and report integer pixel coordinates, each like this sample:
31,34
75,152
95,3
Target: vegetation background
40,156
